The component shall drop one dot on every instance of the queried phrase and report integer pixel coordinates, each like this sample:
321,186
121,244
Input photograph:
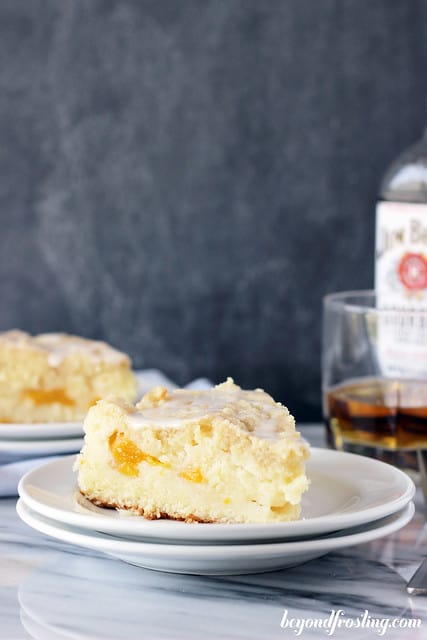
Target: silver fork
417,585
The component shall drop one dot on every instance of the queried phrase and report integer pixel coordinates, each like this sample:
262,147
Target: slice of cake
222,455
55,377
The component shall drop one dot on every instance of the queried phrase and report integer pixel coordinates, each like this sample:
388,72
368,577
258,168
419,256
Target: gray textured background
186,179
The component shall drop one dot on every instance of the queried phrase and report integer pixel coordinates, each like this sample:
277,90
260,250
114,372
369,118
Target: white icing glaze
253,411
58,346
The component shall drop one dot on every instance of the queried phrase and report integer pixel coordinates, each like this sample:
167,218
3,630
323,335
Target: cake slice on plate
221,455
56,377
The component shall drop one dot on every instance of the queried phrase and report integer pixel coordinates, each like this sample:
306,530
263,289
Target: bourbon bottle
401,232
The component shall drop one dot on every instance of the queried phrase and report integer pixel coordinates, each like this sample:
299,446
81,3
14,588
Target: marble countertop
51,590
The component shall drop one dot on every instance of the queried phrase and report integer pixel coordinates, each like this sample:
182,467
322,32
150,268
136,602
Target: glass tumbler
374,379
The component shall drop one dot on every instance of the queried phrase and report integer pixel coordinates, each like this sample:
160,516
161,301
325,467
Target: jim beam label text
401,284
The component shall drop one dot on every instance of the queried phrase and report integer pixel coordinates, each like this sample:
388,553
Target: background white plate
346,490
216,559
40,447
40,430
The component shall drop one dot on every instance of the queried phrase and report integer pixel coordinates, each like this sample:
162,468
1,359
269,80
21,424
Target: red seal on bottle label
413,271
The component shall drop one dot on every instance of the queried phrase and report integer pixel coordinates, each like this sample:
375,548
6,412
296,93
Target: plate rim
67,430
164,529
41,448
111,544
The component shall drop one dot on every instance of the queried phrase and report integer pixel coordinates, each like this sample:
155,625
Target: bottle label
402,344
401,255
401,284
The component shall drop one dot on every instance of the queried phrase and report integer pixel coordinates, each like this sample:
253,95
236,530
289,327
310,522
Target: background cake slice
221,455
55,377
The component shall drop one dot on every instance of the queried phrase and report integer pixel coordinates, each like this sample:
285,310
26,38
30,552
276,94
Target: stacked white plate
351,500
40,439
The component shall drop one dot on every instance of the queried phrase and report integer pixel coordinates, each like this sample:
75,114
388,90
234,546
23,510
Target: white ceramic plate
346,490
56,430
215,559
40,447
40,430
